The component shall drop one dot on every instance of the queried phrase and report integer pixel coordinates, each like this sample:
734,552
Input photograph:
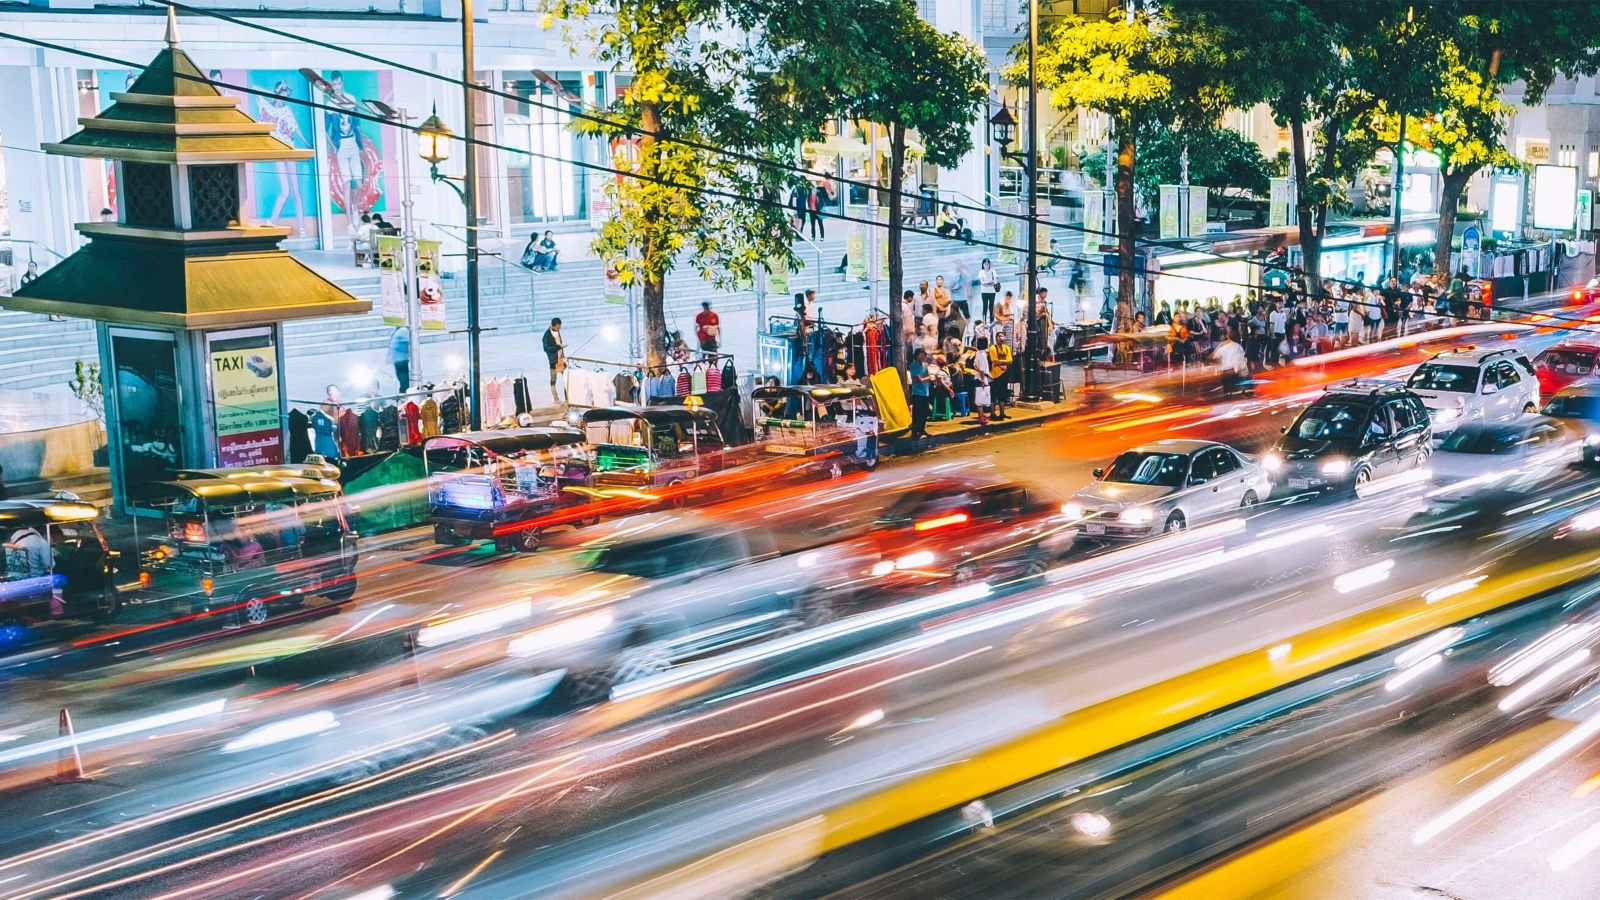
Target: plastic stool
961,399
937,415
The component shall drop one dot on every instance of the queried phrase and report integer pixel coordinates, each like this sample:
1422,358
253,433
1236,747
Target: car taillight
205,585
144,579
941,522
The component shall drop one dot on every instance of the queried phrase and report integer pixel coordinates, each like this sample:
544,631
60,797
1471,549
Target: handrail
817,248
31,244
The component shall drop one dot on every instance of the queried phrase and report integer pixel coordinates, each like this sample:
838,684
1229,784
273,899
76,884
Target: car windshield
1572,362
1439,377
1484,440
1134,467
661,557
1328,422
1573,406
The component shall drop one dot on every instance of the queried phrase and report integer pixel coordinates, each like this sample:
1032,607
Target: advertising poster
284,192
244,393
147,404
1171,211
1278,210
1555,197
392,278
430,293
355,160
777,276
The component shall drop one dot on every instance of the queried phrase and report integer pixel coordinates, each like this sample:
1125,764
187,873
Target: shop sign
245,397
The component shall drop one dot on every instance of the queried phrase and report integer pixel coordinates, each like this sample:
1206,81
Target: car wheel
443,535
815,609
637,663
341,590
1175,522
1250,499
255,611
528,540
584,688
1363,476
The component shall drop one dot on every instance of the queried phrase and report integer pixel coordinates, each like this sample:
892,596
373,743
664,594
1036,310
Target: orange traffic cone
69,764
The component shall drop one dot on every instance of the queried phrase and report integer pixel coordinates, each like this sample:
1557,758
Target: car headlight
1272,462
564,633
918,560
1442,416
1589,440
1335,467
1136,515
1072,510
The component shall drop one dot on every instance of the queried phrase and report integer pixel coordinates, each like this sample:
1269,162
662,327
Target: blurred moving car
1564,364
1468,384
1577,408
967,529
1356,431
1482,450
1589,293
1166,486
56,562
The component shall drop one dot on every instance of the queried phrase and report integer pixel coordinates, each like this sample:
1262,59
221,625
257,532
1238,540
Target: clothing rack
630,383
378,423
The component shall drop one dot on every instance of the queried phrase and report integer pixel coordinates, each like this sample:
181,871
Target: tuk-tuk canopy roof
819,393
509,441
312,471
39,513
654,415
239,489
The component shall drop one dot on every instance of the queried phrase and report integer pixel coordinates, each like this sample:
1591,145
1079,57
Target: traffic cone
69,764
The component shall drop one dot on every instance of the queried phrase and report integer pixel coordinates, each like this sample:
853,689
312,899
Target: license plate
1299,484
1092,528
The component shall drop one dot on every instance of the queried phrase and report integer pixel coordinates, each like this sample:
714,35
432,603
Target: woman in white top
988,286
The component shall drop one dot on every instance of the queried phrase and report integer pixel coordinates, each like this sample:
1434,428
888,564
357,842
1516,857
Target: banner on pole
613,292
430,292
778,275
1278,211
1171,211
1199,202
1010,231
856,251
392,279
1094,218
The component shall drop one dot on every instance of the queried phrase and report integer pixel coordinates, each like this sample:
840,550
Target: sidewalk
954,431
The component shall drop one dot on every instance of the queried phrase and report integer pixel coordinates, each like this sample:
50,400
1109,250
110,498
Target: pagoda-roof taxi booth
187,296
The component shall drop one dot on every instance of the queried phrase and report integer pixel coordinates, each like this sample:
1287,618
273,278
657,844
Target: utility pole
408,251
1031,374
1399,187
469,85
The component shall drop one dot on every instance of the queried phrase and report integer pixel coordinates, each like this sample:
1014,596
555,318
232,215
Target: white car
1472,385
1485,452
1166,486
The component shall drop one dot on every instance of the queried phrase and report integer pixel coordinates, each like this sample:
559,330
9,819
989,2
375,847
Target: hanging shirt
369,430
413,416
430,418
349,433
323,431
299,436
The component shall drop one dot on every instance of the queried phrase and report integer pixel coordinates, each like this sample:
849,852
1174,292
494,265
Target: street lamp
433,145
1003,128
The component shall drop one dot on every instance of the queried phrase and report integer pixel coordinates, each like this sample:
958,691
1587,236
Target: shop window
541,186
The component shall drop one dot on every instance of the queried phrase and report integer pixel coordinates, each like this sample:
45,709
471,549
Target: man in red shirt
707,328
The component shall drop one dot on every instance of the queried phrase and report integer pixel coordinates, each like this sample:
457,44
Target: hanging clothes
299,436
389,428
697,380
626,388
430,417
682,383
349,433
369,430
730,375
524,399
450,419
713,380
324,431
413,416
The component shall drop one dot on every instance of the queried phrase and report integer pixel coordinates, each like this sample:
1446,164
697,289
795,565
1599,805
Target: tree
1487,47
879,61
689,93
1143,72
1219,158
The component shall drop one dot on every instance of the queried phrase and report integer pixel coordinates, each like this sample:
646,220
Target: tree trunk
654,282
898,355
1310,237
1125,226
1451,186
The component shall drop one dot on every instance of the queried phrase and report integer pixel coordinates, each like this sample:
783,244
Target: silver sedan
1166,486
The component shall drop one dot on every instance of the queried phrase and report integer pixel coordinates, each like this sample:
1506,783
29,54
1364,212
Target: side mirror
1099,473
1283,430
1491,389
1196,480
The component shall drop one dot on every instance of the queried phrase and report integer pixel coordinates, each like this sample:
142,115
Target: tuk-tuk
480,482
56,562
652,446
836,425
244,541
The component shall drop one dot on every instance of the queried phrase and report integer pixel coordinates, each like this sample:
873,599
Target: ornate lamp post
433,145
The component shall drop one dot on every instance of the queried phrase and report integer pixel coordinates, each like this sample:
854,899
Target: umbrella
913,146
836,145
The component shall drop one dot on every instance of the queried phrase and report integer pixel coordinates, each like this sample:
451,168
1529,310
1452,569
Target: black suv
1355,432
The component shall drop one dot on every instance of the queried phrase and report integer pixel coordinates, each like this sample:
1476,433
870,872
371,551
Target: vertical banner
1278,211
1171,211
1010,232
777,277
430,293
392,279
613,292
1094,218
856,252
244,394
1199,203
